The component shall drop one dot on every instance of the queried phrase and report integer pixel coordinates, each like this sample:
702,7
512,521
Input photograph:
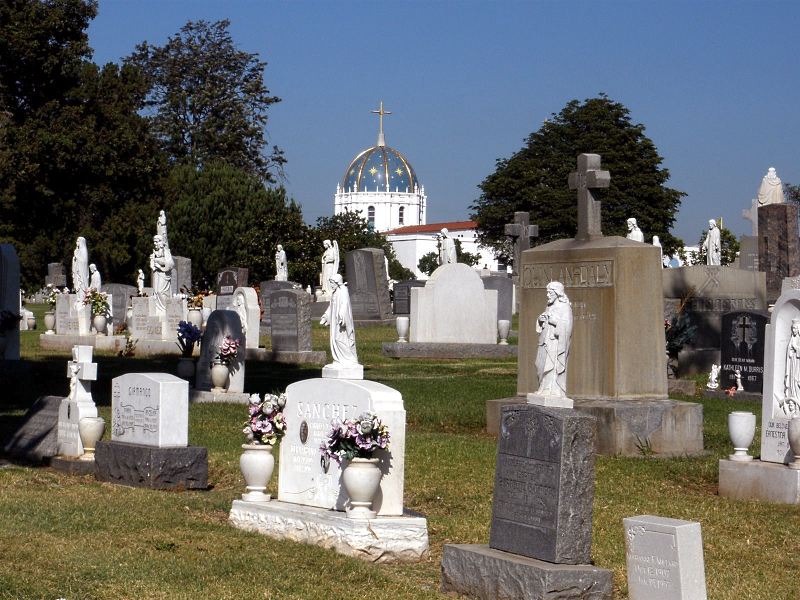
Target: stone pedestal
778,245
759,480
398,539
152,467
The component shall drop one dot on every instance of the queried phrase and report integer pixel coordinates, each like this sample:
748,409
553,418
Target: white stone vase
220,376
257,464
186,368
91,431
742,429
361,478
196,317
99,322
503,327
129,314
49,322
794,441
31,323
402,329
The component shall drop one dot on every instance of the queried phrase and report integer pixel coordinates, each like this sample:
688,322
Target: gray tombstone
505,294
9,297
220,324
368,285
748,253
120,299
778,245
290,328
228,279
402,295
742,347
36,439
56,275
266,290
181,274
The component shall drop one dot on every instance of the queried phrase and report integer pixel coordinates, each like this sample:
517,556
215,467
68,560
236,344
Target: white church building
381,184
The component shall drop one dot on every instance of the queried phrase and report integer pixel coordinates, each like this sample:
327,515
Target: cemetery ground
74,537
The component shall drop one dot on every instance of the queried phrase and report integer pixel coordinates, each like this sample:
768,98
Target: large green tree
75,157
534,179
207,99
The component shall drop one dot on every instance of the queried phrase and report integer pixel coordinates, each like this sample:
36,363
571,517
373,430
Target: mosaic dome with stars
380,167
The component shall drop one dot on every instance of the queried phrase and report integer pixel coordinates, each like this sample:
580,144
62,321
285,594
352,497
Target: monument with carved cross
521,232
617,362
79,404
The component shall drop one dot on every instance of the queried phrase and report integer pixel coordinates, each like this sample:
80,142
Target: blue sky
714,82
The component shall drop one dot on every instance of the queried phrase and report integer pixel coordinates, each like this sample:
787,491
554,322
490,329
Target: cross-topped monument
380,112
521,231
79,404
751,215
587,178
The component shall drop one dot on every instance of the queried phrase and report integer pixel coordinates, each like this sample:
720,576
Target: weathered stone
479,571
36,438
742,347
245,304
290,328
759,480
544,484
228,279
56,275
399,539
748,253
778,245
367,283
401,292
181,274
266,289
151,467
120,299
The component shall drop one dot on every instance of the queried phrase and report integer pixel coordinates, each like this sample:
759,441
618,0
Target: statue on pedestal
95,281
330,266
340,318
161,264
80,268
281,266
712,245
771,189
447,248
554,327
634,233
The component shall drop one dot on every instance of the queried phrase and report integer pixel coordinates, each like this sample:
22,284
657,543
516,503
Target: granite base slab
477,571
381,540
430,350
657,427
73,466
759,480
201,397
151,467
113,343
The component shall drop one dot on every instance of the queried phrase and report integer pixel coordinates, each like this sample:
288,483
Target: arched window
371,216
402,215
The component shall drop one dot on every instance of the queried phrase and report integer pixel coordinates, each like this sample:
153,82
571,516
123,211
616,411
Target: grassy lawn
73,537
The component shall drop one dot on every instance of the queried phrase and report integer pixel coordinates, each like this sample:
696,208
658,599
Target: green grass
73,537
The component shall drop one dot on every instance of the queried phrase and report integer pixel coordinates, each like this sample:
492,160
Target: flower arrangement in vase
227,351
265,427
51,296
354,442
188,336
98,301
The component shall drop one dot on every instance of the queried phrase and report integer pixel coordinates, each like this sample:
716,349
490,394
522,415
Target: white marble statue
161,265
791,378
447,248
340,318
161,226
80,268
140,282
713,378
657,244
281,266
771,189
554,327
330,266
634,233
712,245
95,281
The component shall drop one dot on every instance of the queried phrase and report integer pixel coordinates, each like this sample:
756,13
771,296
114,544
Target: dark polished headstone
544,484
778,245
505,294
151,467
266,289
290,328
36,438
748,253
228,279
402,295
742,347
367,284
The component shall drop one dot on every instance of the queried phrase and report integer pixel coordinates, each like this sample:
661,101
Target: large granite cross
521,231
585,179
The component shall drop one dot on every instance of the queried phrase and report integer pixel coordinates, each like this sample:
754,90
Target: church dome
382,168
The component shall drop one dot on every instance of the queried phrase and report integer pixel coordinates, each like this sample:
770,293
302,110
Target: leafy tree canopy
208,100
534,179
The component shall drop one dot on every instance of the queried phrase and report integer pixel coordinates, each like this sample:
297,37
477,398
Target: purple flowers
267,424
358,438
188,336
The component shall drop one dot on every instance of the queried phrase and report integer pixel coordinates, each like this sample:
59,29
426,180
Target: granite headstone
266,288
368,285
505,294
56,275
228,279
121,295
221,323
742,347
402,295
181,274
778,245
290,327
36,438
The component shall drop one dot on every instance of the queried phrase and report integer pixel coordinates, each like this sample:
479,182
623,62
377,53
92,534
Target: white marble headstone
310,406
78,404
664,559
150,409
245,304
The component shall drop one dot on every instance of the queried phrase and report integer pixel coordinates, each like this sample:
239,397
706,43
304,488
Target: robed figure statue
554,327
340,318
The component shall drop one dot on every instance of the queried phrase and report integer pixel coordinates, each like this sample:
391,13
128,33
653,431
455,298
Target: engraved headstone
181,274
228,279
505,294
266,288
150,409
9,296
368,285
220,324
742,347
778,245
56,275
121,295
402,295
290,328
664,558
310,406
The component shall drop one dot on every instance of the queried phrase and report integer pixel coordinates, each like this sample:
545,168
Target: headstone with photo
368,284
9,298
402,295
742,348
228,279
220,324
664,558
266,289
541,531
290,326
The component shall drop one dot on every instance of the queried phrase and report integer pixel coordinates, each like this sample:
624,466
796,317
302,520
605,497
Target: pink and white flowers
267,424
355,438
228,349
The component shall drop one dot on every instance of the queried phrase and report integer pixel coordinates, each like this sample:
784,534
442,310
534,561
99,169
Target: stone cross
521,231
585,179
752,216
78,404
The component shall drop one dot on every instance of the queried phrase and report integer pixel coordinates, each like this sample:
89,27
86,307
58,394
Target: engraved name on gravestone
150,409
290,328
664,559
544,484
742,347
367,283
66,318
228,280
599,273
402,295
266,289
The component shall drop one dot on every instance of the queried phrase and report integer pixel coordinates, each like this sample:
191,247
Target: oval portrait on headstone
304,432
